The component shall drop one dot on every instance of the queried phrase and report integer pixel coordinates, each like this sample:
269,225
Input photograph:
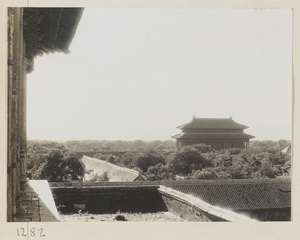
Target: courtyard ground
131,217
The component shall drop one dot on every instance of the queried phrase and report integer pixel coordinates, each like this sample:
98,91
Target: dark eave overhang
213,136
49,30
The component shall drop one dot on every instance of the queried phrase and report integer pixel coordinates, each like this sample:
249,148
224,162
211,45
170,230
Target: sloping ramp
47,208
211,213
37,203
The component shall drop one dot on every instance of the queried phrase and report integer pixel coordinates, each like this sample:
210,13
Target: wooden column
15,134
23,116
13,21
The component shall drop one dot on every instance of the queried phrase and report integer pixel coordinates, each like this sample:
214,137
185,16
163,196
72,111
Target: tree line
263,159
54,162
119,145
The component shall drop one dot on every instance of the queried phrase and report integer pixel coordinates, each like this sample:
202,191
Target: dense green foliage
54,162
259,161
187,160
263,159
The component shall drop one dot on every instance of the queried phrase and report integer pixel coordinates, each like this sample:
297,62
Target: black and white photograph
148,116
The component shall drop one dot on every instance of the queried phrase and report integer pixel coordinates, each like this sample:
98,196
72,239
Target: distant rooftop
212,123
115,173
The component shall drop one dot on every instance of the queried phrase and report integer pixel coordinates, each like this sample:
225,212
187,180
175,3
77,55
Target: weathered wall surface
194,209
109,199
187,211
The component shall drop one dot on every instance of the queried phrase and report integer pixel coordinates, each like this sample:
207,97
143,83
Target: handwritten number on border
33,232
21,232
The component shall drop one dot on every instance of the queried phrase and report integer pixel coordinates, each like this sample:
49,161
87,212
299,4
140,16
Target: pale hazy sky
140,73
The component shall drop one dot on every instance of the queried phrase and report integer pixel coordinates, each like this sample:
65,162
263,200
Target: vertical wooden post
15,137
22,113
13,32
9,80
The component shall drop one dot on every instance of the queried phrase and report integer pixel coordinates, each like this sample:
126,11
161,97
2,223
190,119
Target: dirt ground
131,217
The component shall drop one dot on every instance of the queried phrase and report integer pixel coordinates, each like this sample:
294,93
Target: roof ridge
228,181
211,123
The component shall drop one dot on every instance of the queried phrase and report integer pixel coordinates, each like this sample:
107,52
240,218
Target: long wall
111,199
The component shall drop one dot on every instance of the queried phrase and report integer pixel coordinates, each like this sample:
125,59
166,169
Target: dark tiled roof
239,194
212,123
213,136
